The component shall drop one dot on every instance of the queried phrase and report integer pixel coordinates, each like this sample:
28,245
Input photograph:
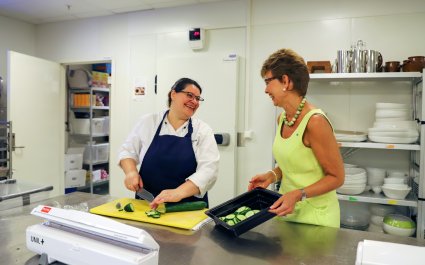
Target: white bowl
377,189
355,176
358,181
351,189
391,180
399,225
390,129
354,213
355,171
392,113
393,140
395,193
349,165
375,176
398,231
388,105
397,174
377,219
376,173
396,186
395,124
405,134
381,209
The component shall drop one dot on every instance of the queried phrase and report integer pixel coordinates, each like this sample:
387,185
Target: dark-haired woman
177,152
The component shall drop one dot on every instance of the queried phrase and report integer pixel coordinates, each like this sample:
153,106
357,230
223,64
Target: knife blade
146,195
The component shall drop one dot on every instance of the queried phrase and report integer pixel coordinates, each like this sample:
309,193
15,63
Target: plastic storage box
100,153
260,199
74,158
100,126
75,178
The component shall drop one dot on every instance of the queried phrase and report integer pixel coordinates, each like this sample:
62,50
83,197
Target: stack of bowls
377,214
375,178
396,191
399,225
355,181
399,175
354,215
393,124
414,64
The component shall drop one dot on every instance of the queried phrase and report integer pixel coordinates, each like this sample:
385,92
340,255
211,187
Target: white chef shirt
204,145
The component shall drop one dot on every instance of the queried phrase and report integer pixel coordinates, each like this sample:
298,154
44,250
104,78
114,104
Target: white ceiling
45,11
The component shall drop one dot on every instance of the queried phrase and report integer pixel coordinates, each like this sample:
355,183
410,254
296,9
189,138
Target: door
217,75
35,103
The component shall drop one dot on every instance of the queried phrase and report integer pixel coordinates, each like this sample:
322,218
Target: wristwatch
303,195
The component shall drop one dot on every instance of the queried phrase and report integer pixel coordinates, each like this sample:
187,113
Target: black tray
258,198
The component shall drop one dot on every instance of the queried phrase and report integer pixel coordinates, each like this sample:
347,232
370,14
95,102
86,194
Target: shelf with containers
349,100
88,127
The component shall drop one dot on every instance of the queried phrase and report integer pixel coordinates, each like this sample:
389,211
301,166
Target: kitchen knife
146,195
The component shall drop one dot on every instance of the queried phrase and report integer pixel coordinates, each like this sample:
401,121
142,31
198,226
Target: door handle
13,143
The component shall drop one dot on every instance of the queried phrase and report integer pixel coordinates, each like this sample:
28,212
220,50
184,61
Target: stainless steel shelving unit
6,148
91,136
413,199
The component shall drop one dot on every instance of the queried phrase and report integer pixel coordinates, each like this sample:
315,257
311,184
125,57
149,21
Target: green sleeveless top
300,169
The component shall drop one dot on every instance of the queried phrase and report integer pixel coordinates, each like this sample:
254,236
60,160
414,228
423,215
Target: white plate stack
355,181
350,136
393,124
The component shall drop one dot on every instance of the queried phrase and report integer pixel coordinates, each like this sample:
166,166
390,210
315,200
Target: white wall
316,32
14,35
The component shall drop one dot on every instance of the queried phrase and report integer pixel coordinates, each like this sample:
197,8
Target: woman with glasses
177,153
309,164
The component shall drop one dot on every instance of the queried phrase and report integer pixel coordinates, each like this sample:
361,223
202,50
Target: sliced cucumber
129,207
240,217
153,213
241,214
242,210
230,222
249,214
230,217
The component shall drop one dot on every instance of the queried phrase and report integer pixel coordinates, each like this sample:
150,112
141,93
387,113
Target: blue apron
168,162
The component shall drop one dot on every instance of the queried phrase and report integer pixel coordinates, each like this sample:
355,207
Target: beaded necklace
294,119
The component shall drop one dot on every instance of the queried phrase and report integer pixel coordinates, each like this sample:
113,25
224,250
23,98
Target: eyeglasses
268,80
191,96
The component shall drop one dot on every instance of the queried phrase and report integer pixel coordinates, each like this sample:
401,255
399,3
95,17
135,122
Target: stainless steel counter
273,242
14,193
10,189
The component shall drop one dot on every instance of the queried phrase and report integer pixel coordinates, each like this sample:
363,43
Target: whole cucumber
185,206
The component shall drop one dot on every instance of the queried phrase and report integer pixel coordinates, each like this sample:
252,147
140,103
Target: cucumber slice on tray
241,214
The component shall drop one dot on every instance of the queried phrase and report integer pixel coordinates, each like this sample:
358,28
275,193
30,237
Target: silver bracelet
275,175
